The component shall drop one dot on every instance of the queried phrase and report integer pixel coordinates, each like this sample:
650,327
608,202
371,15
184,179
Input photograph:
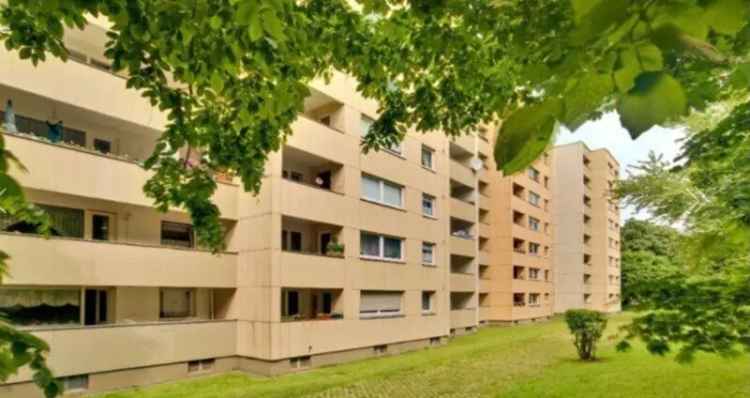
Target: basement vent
72,384
204,365
380,349
299,362
435,341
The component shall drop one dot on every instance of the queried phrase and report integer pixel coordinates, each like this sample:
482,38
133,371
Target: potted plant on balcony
335,249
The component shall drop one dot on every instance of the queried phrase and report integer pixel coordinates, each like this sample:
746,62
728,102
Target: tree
18,348
706,308
587,327
650,254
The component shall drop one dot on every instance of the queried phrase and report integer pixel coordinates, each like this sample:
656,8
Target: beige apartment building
586,247
517,284
340,256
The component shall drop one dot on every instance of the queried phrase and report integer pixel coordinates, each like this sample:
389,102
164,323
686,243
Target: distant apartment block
342,255
587,238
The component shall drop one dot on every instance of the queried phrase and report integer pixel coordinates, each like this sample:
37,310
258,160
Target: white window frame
534,299
434,253
431,299
380,313
433,200
534,198
538,247
381,248
534,174
534,274
426,149
381,196
366,120
534,223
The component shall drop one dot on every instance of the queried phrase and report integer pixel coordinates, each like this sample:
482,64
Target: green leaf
634,60
656,98
584,98
727,16
215,22
272,25
599,18
217,82
525,135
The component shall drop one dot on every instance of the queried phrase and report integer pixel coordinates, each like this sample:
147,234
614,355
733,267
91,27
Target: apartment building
586,246
340,256
517,283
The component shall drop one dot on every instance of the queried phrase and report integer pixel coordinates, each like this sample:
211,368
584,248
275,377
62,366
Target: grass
525,361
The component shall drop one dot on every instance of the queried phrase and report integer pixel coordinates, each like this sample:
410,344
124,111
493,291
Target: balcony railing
72,261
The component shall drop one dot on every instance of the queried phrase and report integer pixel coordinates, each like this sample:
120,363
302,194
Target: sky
607,132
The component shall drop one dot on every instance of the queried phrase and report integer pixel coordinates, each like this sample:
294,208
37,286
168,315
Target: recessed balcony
69,261
305,304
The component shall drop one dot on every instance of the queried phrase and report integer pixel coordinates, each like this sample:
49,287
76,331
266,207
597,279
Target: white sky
608,133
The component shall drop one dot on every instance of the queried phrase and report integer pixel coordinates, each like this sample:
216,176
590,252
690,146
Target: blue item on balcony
10,118
55,132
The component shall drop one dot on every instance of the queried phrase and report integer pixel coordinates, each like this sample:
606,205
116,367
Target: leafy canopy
231,74
705,306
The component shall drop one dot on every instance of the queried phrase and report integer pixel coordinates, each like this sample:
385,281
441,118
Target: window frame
433,204
381,248
431,152
381,188
433,254
429,294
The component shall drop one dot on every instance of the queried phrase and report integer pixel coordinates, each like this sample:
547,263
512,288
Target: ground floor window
176,302
378,303
29,307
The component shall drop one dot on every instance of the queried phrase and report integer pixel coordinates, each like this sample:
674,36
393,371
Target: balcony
463,282
311,304
463,210
303,200
463,318
83,87
82,350
463,246
76,262
484,257
95,175
462,174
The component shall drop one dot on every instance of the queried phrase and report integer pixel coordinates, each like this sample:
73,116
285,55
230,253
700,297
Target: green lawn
525,361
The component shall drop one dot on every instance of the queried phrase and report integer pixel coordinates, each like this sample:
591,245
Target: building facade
341,256
587,239
517,286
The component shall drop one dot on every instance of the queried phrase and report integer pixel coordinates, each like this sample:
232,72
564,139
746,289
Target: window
291,241
519,300
100,227
63,222
534,198
381,247
176,234
292,175
428,253
533,248
291,299
533,174
379,303
546,275
102,146
75,383
428,205
533,224
546,182
26,307
533,298
377,190
365,124
427,154
427,302
176,302
534,273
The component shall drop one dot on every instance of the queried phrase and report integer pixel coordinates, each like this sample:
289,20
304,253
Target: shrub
587,328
